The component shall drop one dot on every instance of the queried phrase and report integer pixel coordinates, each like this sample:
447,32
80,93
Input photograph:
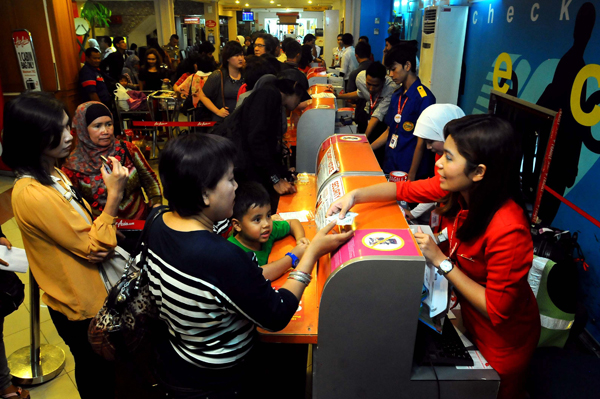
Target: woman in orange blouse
63,247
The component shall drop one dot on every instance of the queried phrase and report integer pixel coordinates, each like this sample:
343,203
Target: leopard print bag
124,321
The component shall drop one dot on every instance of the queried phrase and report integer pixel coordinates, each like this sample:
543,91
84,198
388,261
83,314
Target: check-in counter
362,306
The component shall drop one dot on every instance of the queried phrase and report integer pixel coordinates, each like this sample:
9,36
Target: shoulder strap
191,85
69,196
222,91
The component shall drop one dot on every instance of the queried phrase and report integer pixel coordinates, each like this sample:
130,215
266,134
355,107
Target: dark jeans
95,376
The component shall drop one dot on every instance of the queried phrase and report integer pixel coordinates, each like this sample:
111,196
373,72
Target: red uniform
499,260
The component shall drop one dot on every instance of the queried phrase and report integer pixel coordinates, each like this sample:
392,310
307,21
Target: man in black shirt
92,82
362,52
112,65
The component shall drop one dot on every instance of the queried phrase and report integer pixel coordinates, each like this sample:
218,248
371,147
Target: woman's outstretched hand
342,205
324,243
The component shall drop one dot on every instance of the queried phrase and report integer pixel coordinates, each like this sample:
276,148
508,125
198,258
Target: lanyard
454,227
373,104
400,111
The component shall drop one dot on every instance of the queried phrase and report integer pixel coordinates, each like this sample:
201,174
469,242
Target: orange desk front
304,326
345,154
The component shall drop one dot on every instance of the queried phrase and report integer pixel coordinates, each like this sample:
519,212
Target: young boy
255,231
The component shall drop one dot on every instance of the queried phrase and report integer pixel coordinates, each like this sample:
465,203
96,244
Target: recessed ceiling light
237,1
247,5
309,1
272,2
278,5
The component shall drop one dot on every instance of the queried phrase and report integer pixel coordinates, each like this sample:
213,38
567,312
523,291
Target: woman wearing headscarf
93,124
430,127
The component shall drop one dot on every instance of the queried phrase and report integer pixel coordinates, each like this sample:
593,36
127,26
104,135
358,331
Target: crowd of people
210,293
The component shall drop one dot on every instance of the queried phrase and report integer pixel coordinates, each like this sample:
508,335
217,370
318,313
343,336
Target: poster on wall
27,61
546,53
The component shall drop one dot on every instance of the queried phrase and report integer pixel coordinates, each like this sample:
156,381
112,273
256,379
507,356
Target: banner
27,61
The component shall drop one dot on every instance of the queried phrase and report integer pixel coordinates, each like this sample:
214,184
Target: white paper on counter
323,95
479,362
301,216
346,221
16,259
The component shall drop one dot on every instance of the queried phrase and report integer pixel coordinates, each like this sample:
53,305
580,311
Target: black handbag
12,292
124,320
188,103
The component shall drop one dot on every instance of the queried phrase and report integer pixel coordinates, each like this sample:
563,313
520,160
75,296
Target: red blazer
499,260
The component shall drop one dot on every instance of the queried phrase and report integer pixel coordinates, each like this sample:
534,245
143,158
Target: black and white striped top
211,295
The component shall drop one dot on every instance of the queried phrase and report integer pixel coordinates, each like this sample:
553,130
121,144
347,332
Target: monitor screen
247,16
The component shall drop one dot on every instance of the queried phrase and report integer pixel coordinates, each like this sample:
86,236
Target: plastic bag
121,97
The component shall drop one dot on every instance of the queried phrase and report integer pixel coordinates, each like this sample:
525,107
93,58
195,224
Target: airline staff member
403,151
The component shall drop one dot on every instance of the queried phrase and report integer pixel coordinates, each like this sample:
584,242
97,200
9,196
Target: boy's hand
302,240
299,250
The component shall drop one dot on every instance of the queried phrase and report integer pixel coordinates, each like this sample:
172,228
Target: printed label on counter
375,242
327,167
333,191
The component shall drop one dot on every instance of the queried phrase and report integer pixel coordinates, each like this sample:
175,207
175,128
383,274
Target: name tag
394,141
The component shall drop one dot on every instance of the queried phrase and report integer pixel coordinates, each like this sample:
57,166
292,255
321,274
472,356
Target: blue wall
536,35
369,10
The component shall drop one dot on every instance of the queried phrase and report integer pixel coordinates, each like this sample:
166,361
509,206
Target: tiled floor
16,327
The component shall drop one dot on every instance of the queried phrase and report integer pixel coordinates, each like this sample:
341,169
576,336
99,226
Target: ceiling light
272,2
309,1
278,5
237,1
247,5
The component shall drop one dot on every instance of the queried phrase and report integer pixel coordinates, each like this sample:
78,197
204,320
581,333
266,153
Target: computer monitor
538,127
247,16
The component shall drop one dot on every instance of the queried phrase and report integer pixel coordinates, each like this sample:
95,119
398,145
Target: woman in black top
230,75
210,294
152,74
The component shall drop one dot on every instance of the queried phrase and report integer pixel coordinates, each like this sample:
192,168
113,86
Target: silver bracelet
300,279
300,274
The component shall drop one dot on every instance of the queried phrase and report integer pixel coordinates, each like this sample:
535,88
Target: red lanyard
373,104
400,110
454,227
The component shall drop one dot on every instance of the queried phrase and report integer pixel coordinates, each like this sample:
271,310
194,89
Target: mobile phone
105,164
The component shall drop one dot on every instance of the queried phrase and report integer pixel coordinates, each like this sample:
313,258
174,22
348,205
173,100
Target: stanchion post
36,363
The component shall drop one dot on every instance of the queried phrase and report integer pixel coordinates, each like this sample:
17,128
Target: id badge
434,220
394,141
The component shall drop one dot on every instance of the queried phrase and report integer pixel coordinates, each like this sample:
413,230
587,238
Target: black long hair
491,141
33,122
306,56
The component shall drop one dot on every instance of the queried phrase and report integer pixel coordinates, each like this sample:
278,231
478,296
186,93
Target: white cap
430,125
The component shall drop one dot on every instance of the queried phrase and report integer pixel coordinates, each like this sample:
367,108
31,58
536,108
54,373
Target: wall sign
211,24
191,20
27,61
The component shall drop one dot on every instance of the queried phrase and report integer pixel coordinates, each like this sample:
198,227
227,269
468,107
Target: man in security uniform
403,151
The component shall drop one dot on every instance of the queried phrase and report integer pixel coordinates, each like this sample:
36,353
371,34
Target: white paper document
16,259
437,300
301,216
323,95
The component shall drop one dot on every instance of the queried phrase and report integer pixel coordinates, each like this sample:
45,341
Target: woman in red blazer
490,249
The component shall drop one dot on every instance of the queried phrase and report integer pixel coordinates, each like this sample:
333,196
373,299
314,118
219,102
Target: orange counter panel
304,327
351,156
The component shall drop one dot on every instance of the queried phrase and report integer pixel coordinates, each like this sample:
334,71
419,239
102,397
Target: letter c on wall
589,119
498,73
475,17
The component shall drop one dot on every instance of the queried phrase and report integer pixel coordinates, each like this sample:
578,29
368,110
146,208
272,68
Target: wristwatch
274,179
446,266
295,259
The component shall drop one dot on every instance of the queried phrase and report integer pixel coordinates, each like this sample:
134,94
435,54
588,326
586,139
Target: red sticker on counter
375,242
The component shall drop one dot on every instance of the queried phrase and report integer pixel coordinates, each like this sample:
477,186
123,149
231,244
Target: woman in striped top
209,292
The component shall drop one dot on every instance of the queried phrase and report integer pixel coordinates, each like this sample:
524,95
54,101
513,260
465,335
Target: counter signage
26,58
375,242
327,167
330,193
356,138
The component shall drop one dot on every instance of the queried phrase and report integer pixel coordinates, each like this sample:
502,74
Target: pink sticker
375,242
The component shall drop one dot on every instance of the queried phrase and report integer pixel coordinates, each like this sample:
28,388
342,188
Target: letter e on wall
503,58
